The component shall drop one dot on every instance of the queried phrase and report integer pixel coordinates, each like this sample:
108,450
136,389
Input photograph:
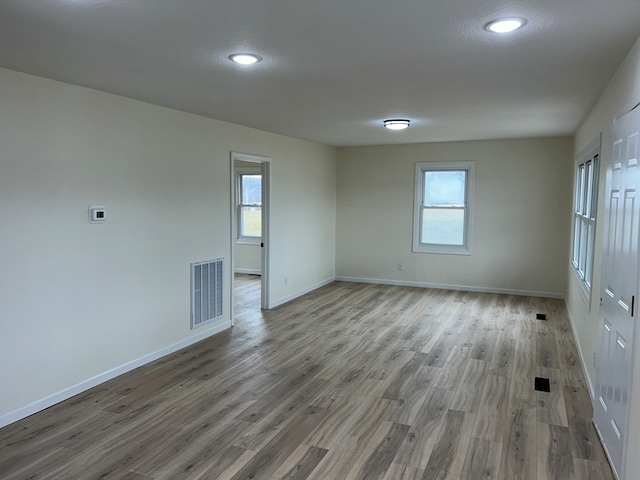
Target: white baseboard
85,385
299,293
446,286
585,370
606,451
249,271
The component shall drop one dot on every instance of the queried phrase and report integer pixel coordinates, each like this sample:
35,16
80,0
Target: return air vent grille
206,291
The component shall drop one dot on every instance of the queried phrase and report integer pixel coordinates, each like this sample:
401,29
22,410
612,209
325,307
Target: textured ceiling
334,69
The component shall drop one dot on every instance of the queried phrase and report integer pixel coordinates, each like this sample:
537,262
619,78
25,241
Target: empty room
319,240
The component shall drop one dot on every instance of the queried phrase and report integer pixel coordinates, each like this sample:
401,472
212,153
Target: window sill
441,249
249,241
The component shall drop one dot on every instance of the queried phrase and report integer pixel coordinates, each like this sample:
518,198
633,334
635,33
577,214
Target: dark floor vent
542,385
541,316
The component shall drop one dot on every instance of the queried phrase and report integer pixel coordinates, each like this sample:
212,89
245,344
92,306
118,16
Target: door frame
265,251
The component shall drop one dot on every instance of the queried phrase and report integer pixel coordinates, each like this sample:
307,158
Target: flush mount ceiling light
396,123
505,25
245,58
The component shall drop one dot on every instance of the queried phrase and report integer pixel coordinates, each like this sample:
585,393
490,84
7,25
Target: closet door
619,288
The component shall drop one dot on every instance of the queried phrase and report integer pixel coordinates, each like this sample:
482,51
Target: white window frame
585,207
421,168
244,239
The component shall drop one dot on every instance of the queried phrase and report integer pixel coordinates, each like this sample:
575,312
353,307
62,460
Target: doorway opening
250,241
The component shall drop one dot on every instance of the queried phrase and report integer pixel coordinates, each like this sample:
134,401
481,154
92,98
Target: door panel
620,287
611,239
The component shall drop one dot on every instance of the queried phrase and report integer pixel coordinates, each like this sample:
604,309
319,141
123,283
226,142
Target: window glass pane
594,190
442,226
251,221
583,246
251,189
444,187
587,268
580,234
589,185
579,188
576,240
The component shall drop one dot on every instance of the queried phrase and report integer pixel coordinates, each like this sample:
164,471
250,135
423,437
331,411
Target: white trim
249,271
254,241
302,292
628,108
265,258
85,385
446,286
247,170
585,370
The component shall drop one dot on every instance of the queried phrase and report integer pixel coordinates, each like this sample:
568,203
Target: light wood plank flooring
352,381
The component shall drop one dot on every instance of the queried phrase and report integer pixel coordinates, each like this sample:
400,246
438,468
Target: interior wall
76,299
622,93
520,233
248,259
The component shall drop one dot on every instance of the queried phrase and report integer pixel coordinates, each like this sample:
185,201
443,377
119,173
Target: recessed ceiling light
397,123
245,58
505,25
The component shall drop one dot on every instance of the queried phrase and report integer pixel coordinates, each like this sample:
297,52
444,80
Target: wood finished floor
352,381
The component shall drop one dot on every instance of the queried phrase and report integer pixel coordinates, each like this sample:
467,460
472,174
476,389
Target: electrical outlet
286,281
594,360
401,267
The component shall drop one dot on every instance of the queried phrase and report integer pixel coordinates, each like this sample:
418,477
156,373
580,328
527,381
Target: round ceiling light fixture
505,25
397,123
245,58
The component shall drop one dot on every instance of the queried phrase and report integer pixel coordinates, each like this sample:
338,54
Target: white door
619,288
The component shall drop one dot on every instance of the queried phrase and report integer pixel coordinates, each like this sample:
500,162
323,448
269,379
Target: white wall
520,233
248,258
622,93
76,299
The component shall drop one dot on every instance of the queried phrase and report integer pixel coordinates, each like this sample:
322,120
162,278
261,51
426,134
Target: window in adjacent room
443,207
584,220
249,205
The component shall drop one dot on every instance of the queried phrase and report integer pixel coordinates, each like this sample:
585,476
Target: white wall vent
206,291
